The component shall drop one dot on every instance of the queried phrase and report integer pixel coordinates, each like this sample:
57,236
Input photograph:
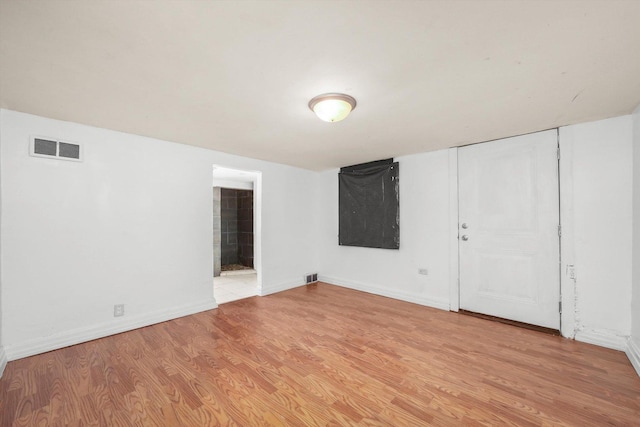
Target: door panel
509,250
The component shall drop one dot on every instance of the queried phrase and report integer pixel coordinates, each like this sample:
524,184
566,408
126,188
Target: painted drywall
229,183
424,237
3,355
596,216
633,346
132,225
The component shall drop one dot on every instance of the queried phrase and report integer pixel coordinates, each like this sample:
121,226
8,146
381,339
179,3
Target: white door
508,228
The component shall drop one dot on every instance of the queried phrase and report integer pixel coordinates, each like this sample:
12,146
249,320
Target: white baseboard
79,335
268,290
390,293
3,360
606,339
633,353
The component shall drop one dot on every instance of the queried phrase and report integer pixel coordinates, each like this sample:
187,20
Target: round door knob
465,237
464,225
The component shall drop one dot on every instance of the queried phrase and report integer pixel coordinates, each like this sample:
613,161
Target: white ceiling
236,76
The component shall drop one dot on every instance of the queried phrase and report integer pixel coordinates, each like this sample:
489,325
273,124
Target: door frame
256,178
454,250
566,250
568,322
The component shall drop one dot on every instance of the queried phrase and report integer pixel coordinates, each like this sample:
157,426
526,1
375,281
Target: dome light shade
332,107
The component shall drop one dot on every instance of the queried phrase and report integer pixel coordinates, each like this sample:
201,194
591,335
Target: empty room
319,213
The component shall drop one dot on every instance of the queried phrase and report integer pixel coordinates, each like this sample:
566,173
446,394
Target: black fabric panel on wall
369,202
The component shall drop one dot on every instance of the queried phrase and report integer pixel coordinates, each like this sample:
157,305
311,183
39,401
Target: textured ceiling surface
236,76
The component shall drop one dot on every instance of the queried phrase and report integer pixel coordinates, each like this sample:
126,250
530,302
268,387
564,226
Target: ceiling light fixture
332,107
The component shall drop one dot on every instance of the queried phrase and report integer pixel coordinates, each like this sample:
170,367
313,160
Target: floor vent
311,278
54,149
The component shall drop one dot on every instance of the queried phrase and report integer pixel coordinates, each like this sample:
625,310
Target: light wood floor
323,355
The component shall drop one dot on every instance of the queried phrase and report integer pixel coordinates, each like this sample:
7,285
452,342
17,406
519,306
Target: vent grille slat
44,147
71,151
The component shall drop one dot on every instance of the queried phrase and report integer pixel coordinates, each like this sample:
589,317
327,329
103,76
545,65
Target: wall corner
633,353
4,360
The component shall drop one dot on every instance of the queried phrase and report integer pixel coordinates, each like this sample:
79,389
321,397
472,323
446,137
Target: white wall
424,237
229,183
596,216
131,224
3,355
633,350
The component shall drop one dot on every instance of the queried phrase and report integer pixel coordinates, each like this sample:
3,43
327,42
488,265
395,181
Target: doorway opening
236,234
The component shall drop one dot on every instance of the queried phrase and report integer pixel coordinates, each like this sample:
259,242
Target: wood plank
320,356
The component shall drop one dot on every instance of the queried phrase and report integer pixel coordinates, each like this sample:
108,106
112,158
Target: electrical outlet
118,310
423,271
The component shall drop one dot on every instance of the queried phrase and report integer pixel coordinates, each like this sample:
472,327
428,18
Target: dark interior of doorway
236,228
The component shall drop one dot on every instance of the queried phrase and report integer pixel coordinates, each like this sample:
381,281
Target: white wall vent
310,278
55,149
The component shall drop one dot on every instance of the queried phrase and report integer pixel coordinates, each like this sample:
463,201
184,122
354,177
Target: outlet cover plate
118,310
